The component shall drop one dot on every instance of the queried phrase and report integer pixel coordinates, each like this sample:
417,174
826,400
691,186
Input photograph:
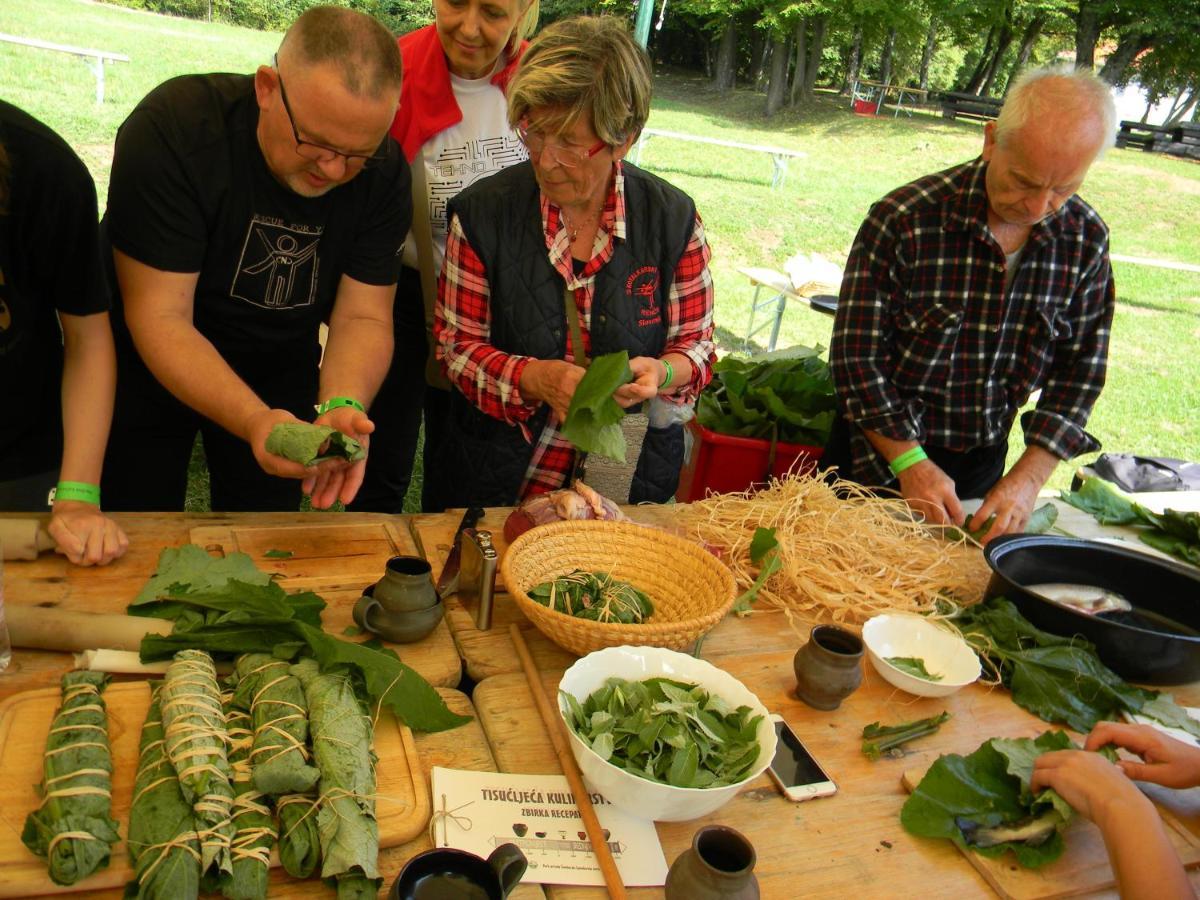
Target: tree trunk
927,53
1185,107
1003,42
800,74
854,62
1029,39
1087,33
777,85
815,51
885,58
759,48
985,57
725,68
1128,49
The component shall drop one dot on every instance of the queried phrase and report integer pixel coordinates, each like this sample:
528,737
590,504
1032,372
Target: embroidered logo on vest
643,284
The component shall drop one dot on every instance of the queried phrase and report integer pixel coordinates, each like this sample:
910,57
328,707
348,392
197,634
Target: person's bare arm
1145,864
158,311
81,531
928,490
1012,498
357,355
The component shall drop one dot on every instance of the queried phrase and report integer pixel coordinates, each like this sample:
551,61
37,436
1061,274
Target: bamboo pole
566,759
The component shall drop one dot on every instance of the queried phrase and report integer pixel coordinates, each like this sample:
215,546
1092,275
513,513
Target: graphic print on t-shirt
278,266
459,167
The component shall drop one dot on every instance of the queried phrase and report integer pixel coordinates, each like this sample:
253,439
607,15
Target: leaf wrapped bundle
195,739
275,699
341,739
299,838
311,444
253,821
73,829
163,844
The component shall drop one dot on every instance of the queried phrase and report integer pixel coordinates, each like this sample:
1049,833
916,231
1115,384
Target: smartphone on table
798,775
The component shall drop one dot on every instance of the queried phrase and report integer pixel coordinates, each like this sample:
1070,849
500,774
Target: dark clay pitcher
718,866
828,667
447,874
402,606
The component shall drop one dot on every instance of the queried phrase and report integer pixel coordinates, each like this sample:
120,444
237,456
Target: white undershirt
480,144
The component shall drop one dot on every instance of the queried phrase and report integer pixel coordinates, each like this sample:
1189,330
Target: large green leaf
592,422
310,444
190,569
1103,501
989,787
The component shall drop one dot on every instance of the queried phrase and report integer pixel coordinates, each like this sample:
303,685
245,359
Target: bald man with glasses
241,215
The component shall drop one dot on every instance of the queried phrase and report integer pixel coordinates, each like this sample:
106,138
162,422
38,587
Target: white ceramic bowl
639,796
944,653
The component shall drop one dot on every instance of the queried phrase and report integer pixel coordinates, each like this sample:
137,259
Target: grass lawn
1151,202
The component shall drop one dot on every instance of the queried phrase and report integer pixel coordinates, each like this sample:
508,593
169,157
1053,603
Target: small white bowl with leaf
918,655
663,735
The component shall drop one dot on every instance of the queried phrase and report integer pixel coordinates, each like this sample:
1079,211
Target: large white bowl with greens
641,796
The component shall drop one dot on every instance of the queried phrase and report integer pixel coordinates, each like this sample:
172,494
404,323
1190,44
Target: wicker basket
691,589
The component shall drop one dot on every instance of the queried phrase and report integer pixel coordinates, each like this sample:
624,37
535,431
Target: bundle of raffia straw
846,554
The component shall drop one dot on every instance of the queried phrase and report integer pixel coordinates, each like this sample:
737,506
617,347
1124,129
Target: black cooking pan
1136,645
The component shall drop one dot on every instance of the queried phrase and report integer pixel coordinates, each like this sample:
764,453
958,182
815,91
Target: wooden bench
972,106
779,155
95,59
1139,134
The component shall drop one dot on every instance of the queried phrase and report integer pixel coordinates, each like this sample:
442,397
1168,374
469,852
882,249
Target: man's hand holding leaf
258,429
338,478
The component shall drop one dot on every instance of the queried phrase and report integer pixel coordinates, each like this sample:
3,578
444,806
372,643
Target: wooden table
52,581
488,653
851,841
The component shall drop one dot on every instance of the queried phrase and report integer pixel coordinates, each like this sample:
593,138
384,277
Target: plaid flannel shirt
929,346
490,378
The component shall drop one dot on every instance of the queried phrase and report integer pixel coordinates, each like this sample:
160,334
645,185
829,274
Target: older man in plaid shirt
965,292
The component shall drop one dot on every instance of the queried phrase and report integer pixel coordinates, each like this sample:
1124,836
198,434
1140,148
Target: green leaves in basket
596,596
593,419
667,731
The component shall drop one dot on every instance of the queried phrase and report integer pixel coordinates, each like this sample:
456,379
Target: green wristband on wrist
907,459
336,402
77,490
670,375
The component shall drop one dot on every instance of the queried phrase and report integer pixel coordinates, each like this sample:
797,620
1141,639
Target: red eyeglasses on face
561,154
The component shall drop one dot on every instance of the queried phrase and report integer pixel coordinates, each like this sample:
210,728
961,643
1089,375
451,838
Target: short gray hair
365,53
585,66
1058,91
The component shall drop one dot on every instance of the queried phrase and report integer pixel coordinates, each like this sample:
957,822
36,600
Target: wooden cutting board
1082,869
402,801
325,557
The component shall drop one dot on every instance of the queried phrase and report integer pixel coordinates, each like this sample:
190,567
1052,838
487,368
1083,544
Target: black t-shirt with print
191,192
49,262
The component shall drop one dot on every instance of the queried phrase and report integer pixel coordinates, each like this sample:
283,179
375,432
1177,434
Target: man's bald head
1075,105
360,48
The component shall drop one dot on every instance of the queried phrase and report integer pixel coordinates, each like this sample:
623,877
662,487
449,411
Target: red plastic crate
865,107
724,464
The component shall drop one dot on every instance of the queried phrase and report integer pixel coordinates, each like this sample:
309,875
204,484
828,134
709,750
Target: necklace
573,225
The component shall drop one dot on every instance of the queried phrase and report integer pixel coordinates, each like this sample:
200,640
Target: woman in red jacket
453,126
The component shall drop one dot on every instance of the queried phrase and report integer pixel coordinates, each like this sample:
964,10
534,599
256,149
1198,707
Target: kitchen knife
447,583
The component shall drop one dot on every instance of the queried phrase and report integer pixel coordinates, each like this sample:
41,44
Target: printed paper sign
479,811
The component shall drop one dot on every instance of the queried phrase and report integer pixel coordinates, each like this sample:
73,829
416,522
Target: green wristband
77,490
907,459
670,374
336,402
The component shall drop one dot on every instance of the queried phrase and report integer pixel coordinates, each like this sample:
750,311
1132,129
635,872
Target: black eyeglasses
319,152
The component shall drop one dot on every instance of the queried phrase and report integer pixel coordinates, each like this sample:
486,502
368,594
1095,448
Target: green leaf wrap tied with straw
341,740
195,734
299,838
73,829
163,844
275,699
253,821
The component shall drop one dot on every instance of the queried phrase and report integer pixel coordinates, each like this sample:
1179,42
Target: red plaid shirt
490,378
928,345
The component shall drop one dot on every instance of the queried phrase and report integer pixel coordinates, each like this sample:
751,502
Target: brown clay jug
828,668
718,866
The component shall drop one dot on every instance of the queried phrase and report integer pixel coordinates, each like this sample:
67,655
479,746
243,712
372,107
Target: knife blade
447,582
